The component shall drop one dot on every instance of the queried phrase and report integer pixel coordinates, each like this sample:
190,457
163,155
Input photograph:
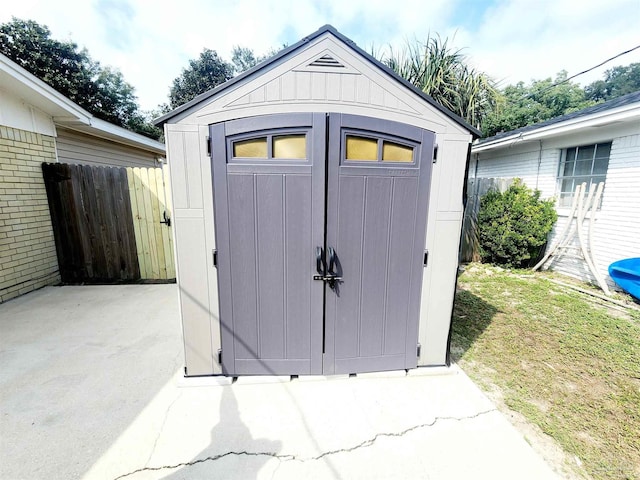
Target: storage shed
318,202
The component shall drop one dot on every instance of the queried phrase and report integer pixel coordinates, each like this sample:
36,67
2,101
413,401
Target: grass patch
568,365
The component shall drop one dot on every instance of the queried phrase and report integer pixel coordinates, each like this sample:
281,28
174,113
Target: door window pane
361,148
252,148
290,146
394,152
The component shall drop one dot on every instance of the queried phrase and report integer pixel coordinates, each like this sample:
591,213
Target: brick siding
27,248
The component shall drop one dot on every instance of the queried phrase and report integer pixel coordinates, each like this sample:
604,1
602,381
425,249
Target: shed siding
617,228
78,148
27,248
443,241
194,243
323,87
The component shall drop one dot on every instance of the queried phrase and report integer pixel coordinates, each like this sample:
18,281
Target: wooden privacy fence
476,189
111,224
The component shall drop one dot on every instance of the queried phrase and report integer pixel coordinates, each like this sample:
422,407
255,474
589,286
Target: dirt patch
566,466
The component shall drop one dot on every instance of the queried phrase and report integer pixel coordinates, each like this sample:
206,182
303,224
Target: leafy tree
208,71
203,74
523,105
60,64
617,81
243,59
111,97
72,72
514,225
443,73
141,123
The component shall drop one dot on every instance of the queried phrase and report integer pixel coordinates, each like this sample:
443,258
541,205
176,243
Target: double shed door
320,228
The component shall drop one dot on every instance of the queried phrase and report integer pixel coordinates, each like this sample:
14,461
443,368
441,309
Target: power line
583,72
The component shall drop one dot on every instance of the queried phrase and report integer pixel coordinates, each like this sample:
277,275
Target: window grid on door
363,148
276,146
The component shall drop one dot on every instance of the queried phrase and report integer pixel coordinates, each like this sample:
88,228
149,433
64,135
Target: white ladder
575,221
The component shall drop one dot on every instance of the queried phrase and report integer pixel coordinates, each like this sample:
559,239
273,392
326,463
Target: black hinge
220,356
418,347
208,146
215,257
435,153
426,257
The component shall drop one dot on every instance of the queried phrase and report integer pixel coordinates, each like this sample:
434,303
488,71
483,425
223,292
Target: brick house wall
27,247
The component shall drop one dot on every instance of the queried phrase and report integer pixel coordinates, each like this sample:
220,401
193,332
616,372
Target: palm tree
442,72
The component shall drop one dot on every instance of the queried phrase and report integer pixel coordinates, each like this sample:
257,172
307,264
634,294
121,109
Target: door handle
320,264
331,274
324,274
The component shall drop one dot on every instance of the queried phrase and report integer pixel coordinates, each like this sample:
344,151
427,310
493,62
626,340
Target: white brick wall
617,227
27,248
522,162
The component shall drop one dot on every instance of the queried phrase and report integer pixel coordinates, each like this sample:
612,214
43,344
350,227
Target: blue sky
150,41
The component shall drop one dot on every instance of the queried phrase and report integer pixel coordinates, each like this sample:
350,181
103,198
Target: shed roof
598,110
288,52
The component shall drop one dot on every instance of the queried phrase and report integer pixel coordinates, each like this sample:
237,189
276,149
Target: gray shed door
320,228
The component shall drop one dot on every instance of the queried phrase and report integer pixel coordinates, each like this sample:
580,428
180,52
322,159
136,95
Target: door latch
324,273
166,220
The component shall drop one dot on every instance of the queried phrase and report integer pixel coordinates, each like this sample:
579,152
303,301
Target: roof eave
104,129
51,101
66,113
622,114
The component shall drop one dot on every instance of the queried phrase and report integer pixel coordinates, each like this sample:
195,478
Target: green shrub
514,225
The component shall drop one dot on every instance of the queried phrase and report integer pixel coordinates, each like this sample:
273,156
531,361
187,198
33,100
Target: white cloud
513,40
520,40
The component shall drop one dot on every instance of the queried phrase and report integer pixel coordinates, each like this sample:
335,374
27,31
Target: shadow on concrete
269,371
471,316
233,452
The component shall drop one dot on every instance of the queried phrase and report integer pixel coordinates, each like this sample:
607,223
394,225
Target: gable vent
326,61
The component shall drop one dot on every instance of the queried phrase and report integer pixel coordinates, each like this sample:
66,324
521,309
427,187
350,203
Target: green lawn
567,364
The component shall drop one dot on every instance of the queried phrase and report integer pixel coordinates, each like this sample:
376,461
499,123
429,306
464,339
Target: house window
586,164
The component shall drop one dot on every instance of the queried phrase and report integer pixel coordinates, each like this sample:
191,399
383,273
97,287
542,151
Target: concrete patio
91,387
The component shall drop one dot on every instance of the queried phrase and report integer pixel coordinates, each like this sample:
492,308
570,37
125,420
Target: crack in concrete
206,459
291,457
371,441
161,429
